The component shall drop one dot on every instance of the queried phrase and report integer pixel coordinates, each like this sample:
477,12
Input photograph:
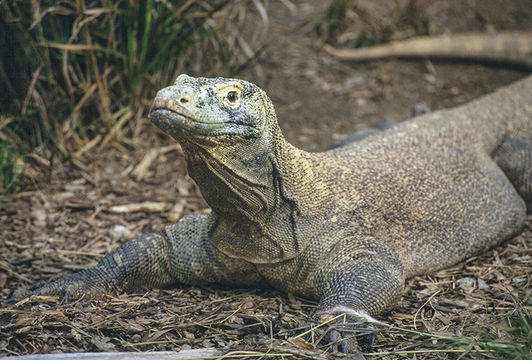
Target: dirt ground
76,214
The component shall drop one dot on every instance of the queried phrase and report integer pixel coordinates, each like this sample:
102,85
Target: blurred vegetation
11,162
358,23
76,74
515,326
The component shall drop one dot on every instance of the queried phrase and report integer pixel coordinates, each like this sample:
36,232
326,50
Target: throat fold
255,217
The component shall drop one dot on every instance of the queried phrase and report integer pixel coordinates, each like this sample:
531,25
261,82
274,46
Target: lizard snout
176,99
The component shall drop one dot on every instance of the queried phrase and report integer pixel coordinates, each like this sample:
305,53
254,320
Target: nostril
183,100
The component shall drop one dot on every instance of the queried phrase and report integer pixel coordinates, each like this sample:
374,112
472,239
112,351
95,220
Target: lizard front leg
180,253
360,277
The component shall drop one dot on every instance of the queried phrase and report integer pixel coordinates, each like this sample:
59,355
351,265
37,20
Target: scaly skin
345,226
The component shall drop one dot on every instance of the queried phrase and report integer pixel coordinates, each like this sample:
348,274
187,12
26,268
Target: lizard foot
67,288
340,329
349,330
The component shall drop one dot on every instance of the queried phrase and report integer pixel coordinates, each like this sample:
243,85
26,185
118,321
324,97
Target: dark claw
65,295
37,286
343,347
339,337
366,342
334,337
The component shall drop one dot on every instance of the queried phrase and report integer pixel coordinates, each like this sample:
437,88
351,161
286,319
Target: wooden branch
195,354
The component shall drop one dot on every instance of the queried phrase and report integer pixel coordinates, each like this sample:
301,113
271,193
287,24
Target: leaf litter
58,227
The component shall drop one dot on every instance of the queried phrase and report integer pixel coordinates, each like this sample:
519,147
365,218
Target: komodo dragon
346,226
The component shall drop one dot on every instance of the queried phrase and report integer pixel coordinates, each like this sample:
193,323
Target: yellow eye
229,93
231,98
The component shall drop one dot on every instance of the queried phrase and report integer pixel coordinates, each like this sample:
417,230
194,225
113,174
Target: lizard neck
253,191
243,186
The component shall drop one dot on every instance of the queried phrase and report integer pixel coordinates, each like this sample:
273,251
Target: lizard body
346,226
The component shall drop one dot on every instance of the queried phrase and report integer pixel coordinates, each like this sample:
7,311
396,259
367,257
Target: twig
5,266
318,326
422,306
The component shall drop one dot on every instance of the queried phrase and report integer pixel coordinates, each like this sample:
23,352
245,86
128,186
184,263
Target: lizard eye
232,96
229,94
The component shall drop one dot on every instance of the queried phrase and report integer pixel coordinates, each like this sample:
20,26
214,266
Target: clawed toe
339,335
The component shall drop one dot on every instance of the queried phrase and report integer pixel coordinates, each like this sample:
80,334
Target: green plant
76,73
518,329
11,167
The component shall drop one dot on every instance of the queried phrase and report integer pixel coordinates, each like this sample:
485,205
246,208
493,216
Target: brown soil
67,220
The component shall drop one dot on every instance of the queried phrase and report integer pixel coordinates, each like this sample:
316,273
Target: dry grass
79,74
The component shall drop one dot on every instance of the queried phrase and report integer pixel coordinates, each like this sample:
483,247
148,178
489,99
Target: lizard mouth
173,123
178,123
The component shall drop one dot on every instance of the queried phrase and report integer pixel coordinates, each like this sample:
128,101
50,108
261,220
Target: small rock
110,169
467,284
519,281
430,78
103,343
482,285
189,336
359,101
355,80
118,232
475,307
39,217
458,303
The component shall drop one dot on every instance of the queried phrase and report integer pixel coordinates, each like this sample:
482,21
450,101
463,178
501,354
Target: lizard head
228,131
218,110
